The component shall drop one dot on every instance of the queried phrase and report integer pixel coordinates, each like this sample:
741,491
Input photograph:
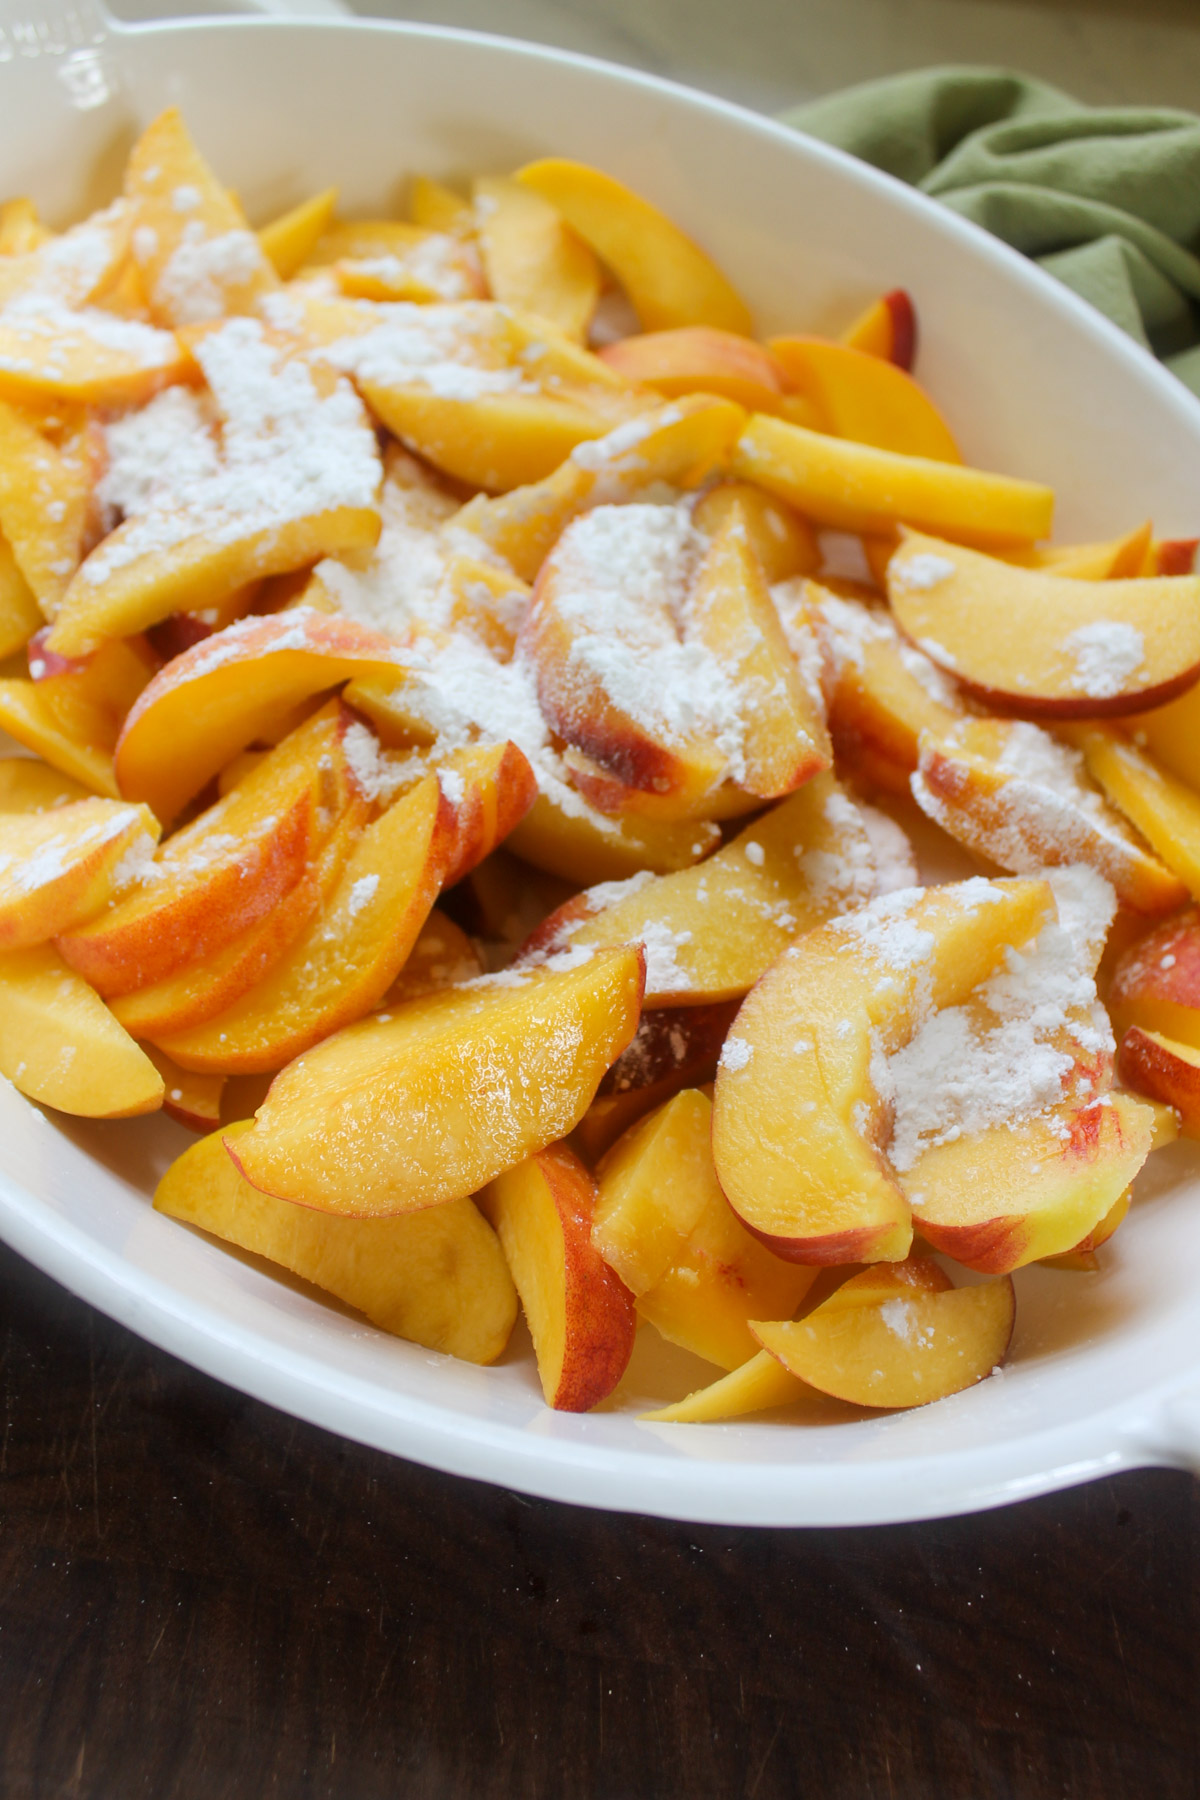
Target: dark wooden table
203,1600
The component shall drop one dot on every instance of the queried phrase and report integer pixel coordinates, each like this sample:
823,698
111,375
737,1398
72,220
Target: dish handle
30,28
1171,1434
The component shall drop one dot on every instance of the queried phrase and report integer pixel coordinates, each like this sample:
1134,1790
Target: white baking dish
1106,1369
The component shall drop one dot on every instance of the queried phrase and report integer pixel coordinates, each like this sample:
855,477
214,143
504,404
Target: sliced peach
44,497
1166,1071
348,957
866,398
207,705
21,230
437,266
759,1385
531,259
699,359
197,258
681,444
490,788
1171,734
96,359
193,1100
202,989
730,612
565,836
580,1313
1043,643
784,543
90,698
437,1278
675,1047
1172,556
438,207
668,278
1116,559
289,240
225,872
1009,1195
1156,981
58,868
884,1340
20,614
1166,811
60,1045
443,956
664,1225
857,487
1014,794
29,717
711,931
447,1092
887,328
30,786
797,1121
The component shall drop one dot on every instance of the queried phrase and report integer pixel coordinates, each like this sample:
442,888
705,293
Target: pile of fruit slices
480,701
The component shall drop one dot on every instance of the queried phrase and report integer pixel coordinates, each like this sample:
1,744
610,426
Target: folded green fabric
1105,199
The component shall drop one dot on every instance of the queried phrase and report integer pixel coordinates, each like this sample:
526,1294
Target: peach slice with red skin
1031,641
60,1045
858,487
437,1278
1010,1195
698,359
797,1121
668,278
190,1099
225,872
675,1047
1156,982
234,689
867,398
58,868
1165,1070
446,1093
350,954
580,1313
1014,794
898,1336
887,328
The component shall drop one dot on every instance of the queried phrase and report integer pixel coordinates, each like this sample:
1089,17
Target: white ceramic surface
1106,1370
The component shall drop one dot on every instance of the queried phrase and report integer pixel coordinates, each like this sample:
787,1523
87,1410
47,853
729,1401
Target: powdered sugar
735,1054
203,273
1106,653
362,892
893,855
455,352
917,574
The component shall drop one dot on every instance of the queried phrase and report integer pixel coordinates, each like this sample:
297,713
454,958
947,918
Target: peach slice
1172,556
1156,982
866,398
348,957
44,495
200,990
96,359
675,1047
580,1313
797,1112
698,359
193,1100
207,705
1166,811
888,328
435,267
564,835
60,1045
531,259
759,1385
20,614
1009,1195
1014,794
443,956
29,717
1164,1070
490,787
785,544
89,699
448,1092
20,228
437,1278
711,931
668,278
225,872
29,786
664,1225
1043,643
288,241
857,487
731,612
1117,558
58,868
195,254
887,1339
1171,734
438,208
681,444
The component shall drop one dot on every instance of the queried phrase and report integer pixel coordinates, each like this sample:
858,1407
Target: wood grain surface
201,1599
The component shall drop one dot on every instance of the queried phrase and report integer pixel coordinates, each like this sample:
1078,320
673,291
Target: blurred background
773,53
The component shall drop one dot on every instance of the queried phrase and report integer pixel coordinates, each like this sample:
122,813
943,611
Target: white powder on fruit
893,855
897,1316
1106,653
735,1054
203,273
919,573
437,264
456,352
851,625
361,894
840,872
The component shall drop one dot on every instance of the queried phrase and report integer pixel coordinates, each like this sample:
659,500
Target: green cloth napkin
1105,198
